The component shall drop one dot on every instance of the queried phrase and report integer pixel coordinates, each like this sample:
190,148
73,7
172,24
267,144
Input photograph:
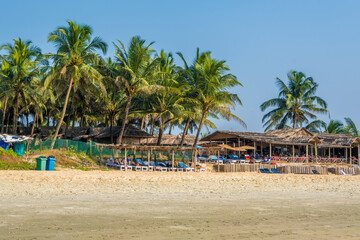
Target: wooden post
218,161
293,153
307,153
316,152
125,160
148,157
173,160
254,149
261,149
346,156
329,153
239,146
90,148
100,150
195,160
40,145
350,155
270,150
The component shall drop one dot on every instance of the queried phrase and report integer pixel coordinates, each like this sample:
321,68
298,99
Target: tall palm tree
296,103
76,54
20,68
210,84
136,70
351,128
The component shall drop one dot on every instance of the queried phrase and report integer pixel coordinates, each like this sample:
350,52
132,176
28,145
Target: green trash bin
41,163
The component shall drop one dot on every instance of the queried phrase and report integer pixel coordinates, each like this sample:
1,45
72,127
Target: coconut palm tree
296,103
20,69
210,84
351,128
136,70
76,54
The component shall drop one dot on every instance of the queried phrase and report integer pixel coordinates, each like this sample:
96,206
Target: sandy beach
74,204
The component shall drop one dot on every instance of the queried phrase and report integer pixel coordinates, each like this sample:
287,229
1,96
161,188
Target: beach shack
17,143
293,145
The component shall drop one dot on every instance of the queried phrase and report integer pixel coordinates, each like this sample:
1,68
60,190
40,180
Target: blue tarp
4,145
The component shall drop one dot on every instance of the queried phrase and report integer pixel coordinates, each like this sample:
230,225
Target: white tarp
11,139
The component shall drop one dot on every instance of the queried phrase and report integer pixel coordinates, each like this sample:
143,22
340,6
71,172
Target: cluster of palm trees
77,87
297,106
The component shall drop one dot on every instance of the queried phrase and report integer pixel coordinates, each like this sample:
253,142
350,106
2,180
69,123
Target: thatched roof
170,140
299,136
335,140
130,131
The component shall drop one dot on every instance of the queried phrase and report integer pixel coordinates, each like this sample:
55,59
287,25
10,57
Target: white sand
73,204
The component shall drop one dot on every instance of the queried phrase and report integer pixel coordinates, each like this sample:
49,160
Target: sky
260,40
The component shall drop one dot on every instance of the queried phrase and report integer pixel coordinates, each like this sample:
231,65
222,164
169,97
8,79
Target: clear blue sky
260,40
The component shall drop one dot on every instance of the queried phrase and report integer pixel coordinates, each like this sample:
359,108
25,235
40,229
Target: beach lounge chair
274,170
344,173
264,170
185,168
315,171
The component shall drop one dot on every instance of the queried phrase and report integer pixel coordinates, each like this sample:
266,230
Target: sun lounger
138,168
344,173
274,170
264,170
315,171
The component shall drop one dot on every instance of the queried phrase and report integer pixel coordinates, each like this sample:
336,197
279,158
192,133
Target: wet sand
73,204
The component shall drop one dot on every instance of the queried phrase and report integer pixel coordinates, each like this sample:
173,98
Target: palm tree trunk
185,131
152,125
295,121
146,123
16,115
199,129
127,108
7,123
27,120
4,113
111,130
63,113
33,125
170,128
142,123
161,130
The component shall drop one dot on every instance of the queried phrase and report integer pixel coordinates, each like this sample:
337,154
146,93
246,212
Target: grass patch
17,166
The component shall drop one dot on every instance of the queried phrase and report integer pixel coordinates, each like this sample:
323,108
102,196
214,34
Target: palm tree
136,70
351,128
20,68
76,52
210,84
296,103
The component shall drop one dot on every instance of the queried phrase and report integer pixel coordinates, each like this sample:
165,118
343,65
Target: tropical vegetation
77,86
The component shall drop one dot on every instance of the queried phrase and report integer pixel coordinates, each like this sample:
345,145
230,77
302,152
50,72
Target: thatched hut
132,135
170,140
293,143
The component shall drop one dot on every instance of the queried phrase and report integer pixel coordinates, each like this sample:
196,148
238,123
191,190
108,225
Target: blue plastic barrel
50,163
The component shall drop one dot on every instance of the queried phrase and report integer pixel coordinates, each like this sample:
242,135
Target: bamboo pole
173,160
148,157
307,153
329,153
316,152
293,153
270,150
